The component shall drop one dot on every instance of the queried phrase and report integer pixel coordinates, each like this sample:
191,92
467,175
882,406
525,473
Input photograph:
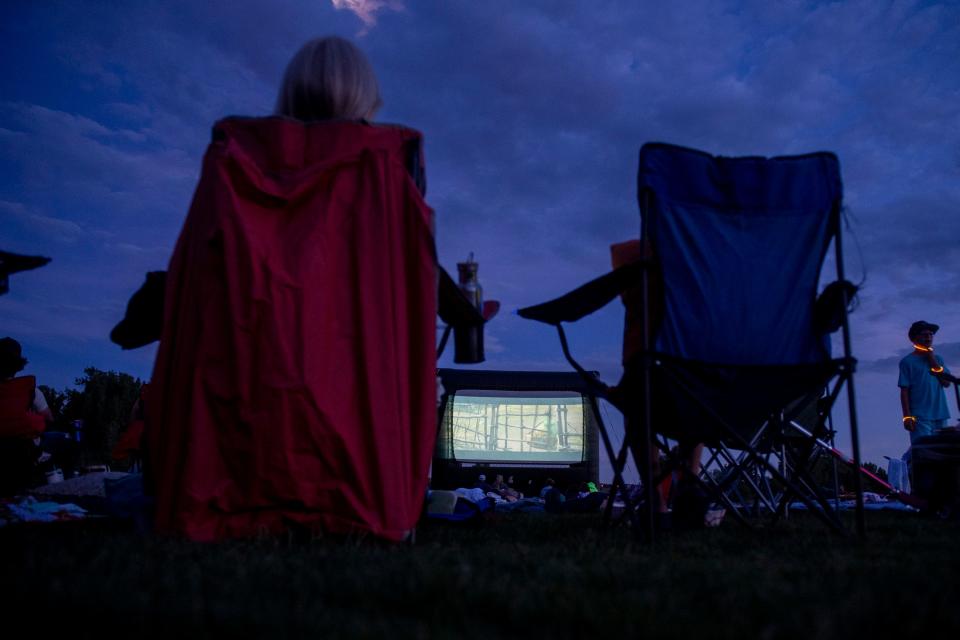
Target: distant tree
104,402
823,473
876,470
56,400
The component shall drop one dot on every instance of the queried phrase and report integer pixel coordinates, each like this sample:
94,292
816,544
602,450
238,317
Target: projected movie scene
531,427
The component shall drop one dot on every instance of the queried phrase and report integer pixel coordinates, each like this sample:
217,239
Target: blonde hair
328,78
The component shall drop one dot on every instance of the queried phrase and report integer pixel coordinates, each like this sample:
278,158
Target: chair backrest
295,379
740,242
16,419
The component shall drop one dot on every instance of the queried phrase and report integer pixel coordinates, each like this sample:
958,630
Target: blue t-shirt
927,399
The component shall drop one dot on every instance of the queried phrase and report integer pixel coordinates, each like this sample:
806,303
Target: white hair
328,78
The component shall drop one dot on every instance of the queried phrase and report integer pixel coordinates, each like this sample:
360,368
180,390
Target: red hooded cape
295,378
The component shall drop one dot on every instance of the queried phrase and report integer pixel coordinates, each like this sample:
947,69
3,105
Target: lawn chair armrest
587,298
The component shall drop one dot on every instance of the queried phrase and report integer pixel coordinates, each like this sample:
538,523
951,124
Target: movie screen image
532,427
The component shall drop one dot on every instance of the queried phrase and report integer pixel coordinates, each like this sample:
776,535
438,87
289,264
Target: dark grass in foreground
521,575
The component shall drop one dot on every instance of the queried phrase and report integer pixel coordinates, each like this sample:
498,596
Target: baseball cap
920,326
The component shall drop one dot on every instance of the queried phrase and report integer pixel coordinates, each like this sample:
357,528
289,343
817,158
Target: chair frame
794,479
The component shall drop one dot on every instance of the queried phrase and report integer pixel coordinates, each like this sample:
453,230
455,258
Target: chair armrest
587,298
14,262
143,321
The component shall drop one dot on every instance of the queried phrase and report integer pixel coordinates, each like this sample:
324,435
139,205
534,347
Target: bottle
469,283
468,339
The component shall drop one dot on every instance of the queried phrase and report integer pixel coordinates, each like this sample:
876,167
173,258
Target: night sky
533,113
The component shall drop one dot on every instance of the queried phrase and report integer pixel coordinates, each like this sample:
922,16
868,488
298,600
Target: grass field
518,575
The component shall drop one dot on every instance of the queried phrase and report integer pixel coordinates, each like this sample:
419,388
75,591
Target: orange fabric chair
18,426
16,418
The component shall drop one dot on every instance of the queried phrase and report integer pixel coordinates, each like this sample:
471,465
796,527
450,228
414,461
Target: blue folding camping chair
735,339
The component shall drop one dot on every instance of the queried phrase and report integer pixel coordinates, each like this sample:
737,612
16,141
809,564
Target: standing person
922,396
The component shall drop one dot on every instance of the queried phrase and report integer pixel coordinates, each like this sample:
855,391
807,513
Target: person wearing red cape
294,384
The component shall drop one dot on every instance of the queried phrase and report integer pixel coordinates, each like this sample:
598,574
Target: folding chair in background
732,338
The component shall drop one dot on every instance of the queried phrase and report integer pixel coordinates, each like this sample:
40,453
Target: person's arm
937,369
909,421
40,406
944,381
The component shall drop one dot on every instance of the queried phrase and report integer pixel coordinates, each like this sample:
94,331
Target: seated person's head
11,358
329,78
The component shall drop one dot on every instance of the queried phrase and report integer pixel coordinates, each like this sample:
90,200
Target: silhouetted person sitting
483,485
295,381
24,416
504,490
548,486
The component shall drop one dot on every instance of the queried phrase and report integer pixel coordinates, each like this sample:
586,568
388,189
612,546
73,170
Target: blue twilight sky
533,113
